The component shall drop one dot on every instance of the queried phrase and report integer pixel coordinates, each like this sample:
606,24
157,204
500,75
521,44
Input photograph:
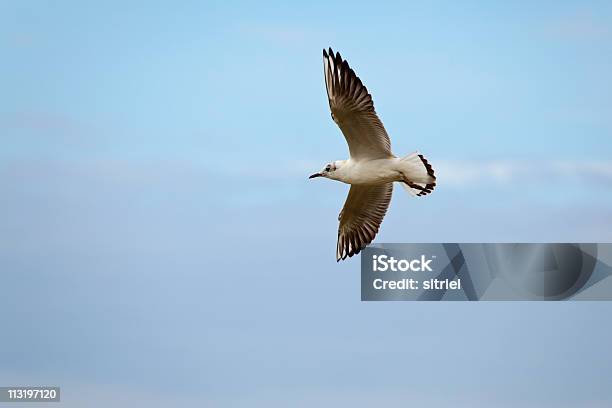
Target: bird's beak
315,175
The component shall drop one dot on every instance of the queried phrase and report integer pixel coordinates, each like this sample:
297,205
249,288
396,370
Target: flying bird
371,168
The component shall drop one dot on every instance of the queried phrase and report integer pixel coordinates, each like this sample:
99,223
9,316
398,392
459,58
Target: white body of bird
380,171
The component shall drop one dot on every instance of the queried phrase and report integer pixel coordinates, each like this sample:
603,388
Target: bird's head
329,171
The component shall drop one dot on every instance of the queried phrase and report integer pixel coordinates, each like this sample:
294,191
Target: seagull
371,168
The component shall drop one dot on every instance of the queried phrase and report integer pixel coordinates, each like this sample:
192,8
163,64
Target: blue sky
160,241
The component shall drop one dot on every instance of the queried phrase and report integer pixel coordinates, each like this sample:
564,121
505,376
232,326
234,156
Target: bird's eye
327,168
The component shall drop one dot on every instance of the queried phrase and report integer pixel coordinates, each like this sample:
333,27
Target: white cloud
458,173
584,25
500,172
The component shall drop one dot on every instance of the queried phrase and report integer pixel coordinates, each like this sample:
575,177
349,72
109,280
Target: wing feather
360,219
353,110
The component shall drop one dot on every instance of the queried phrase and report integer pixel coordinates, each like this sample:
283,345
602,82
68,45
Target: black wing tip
329,53
346,253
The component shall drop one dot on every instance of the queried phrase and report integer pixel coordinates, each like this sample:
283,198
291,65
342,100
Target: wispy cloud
456,173
459,173
50,127
283,34
37,121
20,40
582,26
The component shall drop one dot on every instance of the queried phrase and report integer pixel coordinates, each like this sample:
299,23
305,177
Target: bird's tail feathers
419,178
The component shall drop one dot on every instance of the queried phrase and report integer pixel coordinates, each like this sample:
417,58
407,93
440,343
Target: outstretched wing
353,110
360,219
